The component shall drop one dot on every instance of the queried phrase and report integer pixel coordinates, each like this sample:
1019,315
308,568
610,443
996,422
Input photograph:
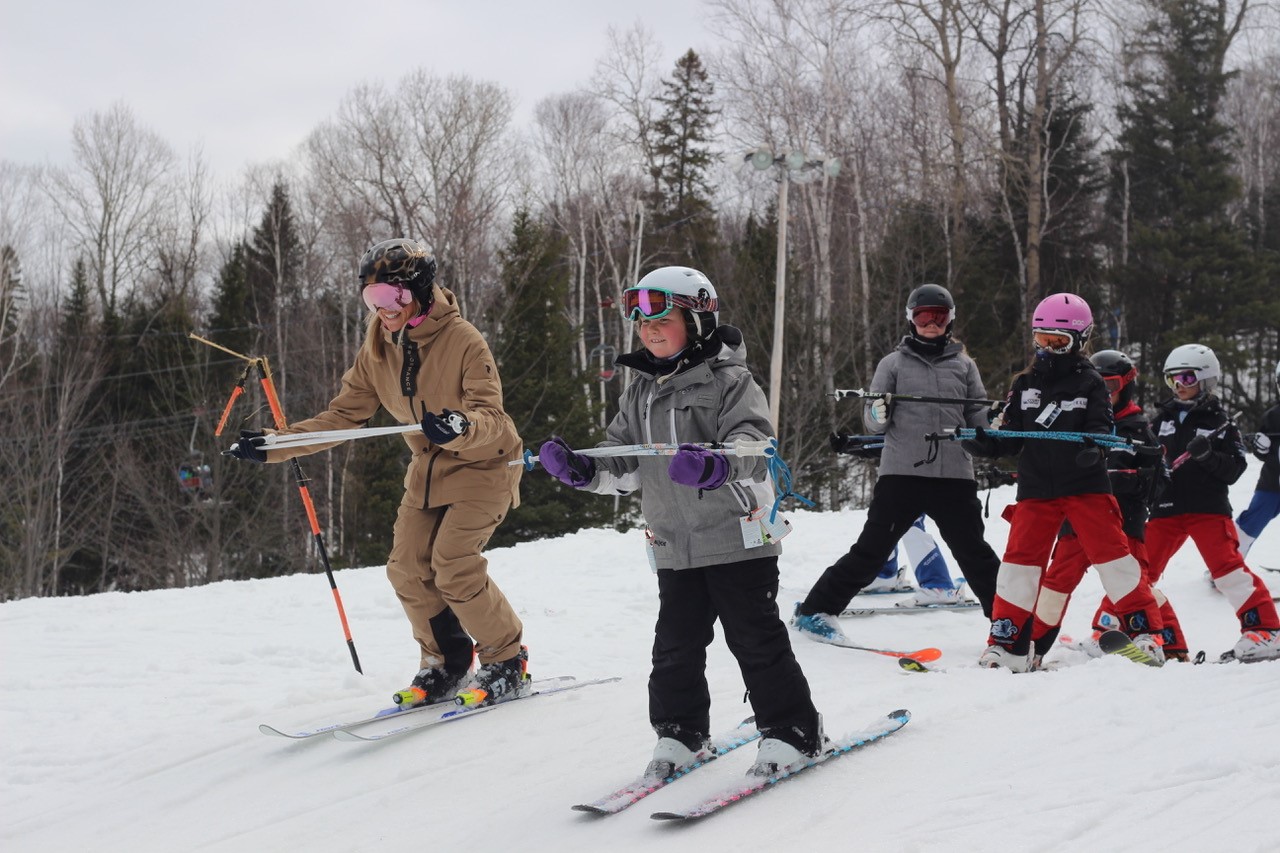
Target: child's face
1186,392
665,336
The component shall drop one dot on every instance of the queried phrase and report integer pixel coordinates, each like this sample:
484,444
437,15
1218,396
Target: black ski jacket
1198,486
1048,468
1137,479
1269,479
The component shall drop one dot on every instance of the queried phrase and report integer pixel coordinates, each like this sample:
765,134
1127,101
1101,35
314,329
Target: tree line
1006,149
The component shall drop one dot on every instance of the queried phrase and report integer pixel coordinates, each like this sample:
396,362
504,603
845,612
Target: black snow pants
743,595
896,503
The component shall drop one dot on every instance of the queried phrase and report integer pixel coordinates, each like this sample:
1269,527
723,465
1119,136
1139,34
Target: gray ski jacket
715,400
951,373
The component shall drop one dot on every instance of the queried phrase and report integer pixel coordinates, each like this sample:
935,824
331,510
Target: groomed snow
130,724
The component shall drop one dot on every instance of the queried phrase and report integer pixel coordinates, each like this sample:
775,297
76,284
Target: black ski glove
1200,447
1091,454
981,444
443,428
249,447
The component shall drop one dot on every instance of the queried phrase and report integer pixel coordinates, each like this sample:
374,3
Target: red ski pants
1064,574
1034,527
1215,538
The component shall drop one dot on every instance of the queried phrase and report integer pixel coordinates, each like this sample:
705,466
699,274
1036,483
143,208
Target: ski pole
1104,439
305,439
778,470
1186,454
741,447
268,386
889,396
277,413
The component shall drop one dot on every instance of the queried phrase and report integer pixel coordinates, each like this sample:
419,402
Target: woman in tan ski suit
423,363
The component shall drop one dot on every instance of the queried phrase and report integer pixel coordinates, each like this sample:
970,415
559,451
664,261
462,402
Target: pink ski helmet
1059,316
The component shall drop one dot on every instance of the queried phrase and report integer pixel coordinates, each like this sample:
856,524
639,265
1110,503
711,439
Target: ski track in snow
130,723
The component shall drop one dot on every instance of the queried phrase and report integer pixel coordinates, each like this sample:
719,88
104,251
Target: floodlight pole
785,163
779,304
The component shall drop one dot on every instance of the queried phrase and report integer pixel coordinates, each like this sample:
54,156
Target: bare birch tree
111,196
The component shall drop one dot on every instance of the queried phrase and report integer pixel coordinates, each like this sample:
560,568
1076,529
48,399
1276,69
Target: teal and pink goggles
648,303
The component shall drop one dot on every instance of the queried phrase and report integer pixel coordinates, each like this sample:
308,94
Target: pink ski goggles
388,296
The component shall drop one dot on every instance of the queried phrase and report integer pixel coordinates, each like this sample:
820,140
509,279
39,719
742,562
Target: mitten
559,460
698,468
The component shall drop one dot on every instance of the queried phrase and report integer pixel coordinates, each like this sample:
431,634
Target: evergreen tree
542,389
232,303
684,222
273,257
1190,275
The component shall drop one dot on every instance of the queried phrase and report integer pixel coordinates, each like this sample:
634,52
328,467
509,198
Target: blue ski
629,795
879,729
540,688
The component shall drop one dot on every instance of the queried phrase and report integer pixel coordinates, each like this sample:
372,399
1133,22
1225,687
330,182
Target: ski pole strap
781,475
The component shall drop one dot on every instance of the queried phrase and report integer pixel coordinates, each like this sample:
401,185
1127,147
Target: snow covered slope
130,724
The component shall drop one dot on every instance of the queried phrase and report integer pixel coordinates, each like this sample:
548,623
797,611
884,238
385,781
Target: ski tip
925,655
912,665
900,714
670,816
589,809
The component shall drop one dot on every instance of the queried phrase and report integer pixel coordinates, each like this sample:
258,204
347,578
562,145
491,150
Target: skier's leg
1097,521
745,598
1263,507
679,701
930,567
462,577
894,505
442,643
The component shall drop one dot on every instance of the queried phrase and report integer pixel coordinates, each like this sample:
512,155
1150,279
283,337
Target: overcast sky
249,79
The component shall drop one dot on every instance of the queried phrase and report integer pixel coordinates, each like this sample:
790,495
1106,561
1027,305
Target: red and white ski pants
1034,526
1215,538
1064,574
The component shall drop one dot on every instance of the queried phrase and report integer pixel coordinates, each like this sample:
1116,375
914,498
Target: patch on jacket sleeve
1168,428
1030,399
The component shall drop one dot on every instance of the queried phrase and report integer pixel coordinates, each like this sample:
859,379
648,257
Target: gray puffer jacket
951,373
716,399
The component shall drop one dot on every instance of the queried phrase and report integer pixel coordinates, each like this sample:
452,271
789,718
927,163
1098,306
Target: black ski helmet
1111,362
931,295
401,261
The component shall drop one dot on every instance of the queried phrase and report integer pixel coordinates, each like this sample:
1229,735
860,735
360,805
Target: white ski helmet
1196,358
675,287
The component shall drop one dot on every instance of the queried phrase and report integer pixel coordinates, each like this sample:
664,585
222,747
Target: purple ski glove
559,460
698,468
